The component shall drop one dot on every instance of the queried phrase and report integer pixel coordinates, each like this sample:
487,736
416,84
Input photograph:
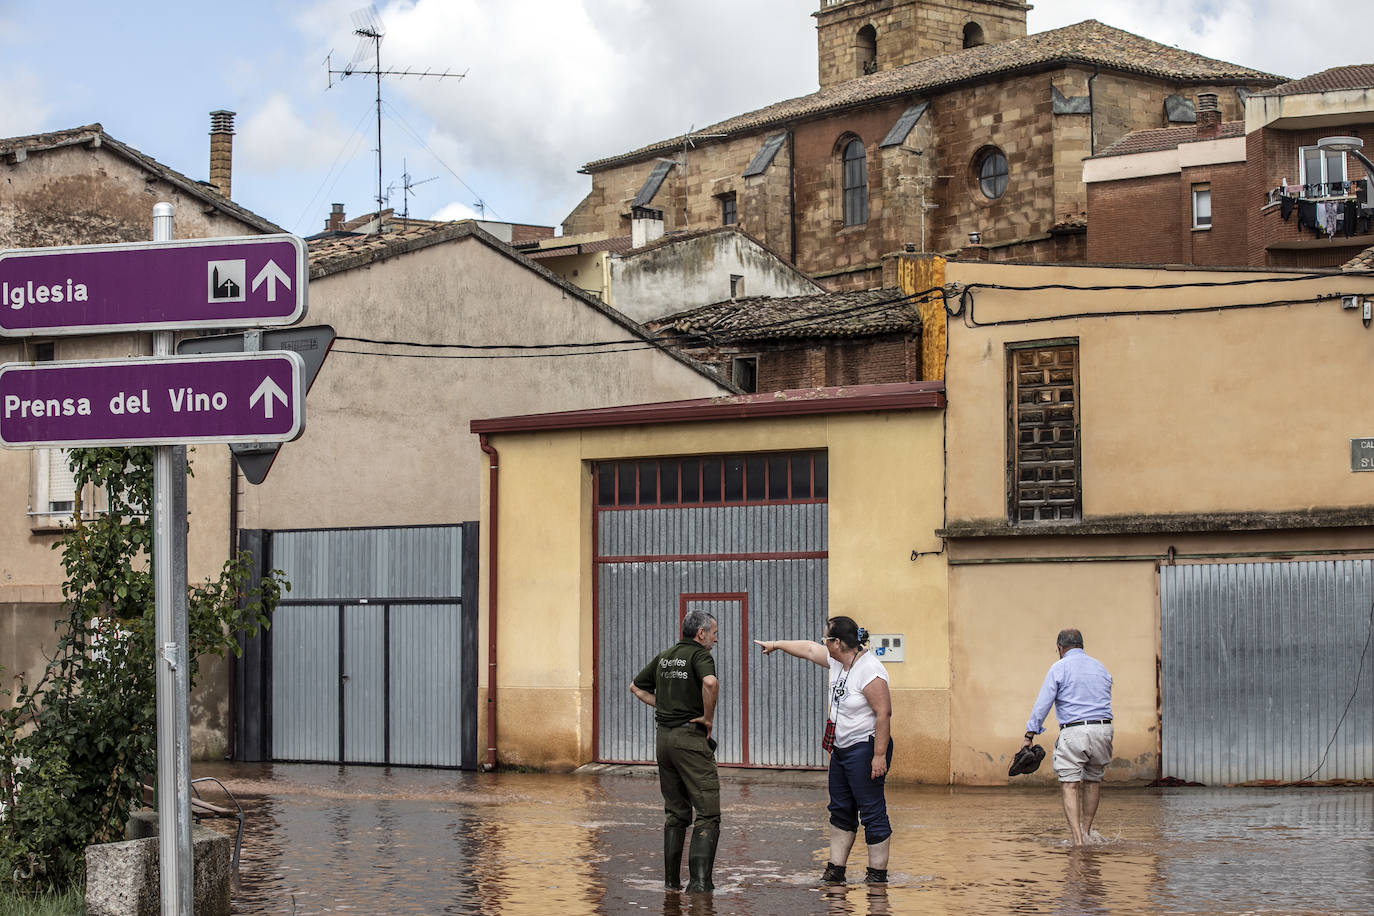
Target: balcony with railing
1300,221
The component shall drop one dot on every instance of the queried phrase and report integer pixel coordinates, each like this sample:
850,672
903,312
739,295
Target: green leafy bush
76,744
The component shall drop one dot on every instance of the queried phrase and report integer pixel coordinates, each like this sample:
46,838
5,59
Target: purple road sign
253,281
234,397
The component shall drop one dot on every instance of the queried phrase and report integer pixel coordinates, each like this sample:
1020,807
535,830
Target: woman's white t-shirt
854,719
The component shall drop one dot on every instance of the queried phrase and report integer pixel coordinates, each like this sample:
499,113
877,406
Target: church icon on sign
227,280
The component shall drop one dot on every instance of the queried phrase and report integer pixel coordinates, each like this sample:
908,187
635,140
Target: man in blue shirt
1080,690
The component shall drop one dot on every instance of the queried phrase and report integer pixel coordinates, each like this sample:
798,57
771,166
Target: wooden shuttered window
1046,483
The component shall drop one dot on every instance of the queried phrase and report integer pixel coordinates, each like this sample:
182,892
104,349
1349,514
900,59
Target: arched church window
973,35
866,46
855,183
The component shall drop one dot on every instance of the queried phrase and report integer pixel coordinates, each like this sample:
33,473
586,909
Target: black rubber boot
701,858
876,875
833,874
673,838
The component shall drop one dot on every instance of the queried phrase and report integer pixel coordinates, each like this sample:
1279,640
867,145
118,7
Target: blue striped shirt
1078,687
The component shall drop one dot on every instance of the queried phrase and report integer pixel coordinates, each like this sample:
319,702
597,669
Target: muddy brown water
365,840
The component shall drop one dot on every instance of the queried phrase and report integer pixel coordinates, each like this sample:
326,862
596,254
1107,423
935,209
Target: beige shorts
1081,753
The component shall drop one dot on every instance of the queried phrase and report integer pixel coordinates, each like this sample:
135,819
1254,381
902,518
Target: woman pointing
858,736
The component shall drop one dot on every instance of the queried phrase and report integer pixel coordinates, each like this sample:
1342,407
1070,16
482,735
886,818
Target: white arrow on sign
265,393
271,274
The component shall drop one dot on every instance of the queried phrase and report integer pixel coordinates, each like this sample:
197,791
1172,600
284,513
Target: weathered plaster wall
885,499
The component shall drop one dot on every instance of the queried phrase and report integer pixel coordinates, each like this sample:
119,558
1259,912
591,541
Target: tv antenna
689,142
369,28
406,193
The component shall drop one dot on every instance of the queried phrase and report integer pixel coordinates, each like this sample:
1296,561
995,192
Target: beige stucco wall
1243,412
885,498
386,439
1215,411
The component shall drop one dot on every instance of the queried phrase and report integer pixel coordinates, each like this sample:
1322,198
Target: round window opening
992,174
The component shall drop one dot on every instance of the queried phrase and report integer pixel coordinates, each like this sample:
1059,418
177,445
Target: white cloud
453,211
25,107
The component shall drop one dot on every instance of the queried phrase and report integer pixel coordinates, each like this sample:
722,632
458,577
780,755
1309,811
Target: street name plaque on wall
1362,454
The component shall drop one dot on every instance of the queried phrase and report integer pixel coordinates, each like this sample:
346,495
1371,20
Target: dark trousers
687,777
855,796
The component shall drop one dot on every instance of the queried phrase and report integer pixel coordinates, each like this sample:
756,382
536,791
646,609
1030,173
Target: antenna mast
368,28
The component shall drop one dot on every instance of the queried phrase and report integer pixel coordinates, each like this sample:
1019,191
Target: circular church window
991,168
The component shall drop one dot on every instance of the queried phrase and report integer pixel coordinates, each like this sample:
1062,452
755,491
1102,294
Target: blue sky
550,85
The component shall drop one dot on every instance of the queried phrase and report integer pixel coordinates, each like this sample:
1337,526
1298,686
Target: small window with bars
713,480
1045,461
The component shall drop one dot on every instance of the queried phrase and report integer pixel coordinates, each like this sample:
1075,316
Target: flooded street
362,840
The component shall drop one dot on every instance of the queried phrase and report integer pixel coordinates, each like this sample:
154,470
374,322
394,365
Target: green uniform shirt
674,678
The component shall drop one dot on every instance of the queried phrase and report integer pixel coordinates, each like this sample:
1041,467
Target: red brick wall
1223,245
870,361
1136,221
1271,157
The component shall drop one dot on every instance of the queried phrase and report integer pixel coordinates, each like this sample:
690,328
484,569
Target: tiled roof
859,313
1091,43
618,245
338,253
94,136
1356,76
1362,261
1152,141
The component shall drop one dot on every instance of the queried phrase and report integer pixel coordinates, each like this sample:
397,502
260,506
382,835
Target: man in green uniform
680,683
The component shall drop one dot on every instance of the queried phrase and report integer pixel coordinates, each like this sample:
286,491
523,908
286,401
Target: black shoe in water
834,874
876,876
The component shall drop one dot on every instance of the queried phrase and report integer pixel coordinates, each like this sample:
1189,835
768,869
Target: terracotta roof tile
1362,261
1355,76
1151,141
95,136
329,251
1091,43
859,313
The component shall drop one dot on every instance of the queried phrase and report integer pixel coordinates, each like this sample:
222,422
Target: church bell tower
857,37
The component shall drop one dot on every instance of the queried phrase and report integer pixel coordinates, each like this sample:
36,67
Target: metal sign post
173,672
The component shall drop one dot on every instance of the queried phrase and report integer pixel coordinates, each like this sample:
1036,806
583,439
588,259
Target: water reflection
366,840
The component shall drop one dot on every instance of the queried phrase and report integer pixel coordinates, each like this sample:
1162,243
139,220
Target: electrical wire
393,113
629,343
602,352
1359,675
352,140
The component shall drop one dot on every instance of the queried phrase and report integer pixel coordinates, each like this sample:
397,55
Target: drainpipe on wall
792,196
1092,114
492,541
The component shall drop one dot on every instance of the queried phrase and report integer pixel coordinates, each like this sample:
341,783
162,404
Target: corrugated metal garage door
744,537
372,653
1260,667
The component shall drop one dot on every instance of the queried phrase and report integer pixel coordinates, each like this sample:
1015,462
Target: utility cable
1359,675
396,115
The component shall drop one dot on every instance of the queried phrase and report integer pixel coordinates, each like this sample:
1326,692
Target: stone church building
938,124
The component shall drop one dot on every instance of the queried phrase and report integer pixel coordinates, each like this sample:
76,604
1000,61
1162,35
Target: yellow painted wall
1003,623
1237,411
885,503
1213,411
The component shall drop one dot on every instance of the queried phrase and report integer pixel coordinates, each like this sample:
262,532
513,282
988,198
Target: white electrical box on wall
889,647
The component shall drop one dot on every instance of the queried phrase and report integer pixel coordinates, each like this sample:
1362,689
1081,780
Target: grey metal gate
1260,664
372,657
760,568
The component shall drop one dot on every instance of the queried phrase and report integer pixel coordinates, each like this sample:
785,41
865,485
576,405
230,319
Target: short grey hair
1070,639
695,620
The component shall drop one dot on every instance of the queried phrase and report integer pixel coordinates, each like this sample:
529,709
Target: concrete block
122,879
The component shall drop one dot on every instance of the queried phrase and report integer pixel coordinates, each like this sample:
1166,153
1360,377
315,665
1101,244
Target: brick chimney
1208,116
221,149
336,219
